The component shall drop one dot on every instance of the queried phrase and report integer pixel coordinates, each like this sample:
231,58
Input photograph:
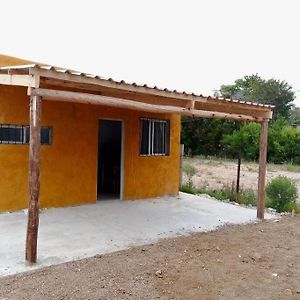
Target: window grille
155,137
20,134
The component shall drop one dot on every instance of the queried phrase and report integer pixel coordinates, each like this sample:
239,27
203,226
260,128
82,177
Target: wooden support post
34,179
262,169
238,175
180,164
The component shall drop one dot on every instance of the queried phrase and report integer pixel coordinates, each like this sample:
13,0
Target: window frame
24,134
151,137
22,129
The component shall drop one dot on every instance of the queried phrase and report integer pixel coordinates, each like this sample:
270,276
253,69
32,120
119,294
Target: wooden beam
34,176
81,79
211,105
116,93
190,104
89,82
214,103
233,107
75,97
19,80
220,115
262,169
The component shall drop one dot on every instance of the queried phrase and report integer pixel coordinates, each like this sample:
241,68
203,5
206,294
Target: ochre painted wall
69,165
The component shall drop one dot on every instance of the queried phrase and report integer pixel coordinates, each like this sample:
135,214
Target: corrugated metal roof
169,92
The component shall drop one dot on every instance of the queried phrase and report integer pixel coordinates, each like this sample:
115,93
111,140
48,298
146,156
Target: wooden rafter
19,80
211,105
56,79
63,76
86,98
229,107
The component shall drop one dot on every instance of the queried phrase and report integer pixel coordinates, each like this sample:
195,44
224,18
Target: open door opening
109,159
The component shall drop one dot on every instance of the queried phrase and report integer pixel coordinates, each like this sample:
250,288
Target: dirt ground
216,174
256,261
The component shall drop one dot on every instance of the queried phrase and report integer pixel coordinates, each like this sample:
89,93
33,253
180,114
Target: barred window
155,137
20,134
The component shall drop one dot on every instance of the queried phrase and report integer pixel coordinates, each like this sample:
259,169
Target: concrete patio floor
73,233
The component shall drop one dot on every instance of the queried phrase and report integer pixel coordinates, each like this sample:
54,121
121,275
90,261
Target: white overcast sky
185,45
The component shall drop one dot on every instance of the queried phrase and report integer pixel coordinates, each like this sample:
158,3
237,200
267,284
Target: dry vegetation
218,174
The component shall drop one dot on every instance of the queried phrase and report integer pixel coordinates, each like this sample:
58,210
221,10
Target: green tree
283,142
244,140
203,136
295,116
271,91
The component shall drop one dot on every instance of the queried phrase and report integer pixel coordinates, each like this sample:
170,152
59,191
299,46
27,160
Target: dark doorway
109,159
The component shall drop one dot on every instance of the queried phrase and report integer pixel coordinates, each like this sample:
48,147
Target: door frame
122,156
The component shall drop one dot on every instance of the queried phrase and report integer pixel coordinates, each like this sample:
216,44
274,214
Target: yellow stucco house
99,138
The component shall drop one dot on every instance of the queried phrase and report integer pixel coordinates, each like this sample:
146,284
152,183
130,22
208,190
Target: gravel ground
255,261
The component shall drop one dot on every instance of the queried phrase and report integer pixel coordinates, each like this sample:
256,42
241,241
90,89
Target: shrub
221,194
190,171
282,192
187,188
248,197
292,207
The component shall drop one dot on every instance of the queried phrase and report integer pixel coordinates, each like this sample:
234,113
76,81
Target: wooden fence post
262,169
238,176
34,179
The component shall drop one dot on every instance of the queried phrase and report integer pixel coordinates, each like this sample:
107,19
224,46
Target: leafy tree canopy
271,91
283,142
295,116
203,136
245,140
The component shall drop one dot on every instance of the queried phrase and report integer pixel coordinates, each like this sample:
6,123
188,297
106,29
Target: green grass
186,188
291,168
211,160
223,194
247,197
292,207
286,208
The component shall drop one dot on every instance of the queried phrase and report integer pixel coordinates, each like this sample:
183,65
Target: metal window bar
19,134
11,134
153,136
149,138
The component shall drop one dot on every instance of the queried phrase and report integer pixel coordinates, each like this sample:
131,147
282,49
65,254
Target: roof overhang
52,83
